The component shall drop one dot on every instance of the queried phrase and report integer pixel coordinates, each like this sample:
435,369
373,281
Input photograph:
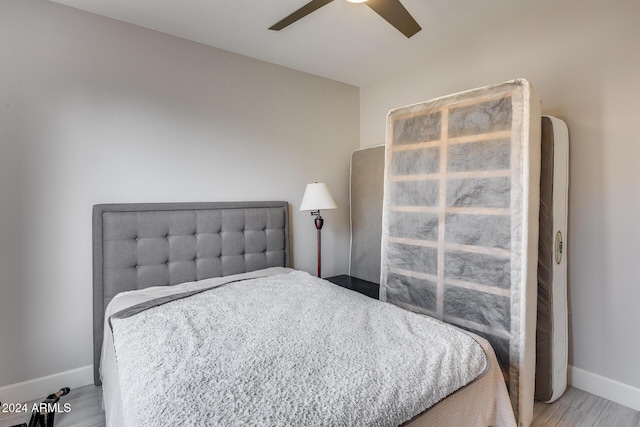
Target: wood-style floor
576,408
579,408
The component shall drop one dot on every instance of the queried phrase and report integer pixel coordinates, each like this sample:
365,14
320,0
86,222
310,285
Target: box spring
367,169
460,220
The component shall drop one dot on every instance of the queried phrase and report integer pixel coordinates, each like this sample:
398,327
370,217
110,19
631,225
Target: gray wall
97,111
582,57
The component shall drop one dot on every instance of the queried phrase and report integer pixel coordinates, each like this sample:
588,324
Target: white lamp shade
317,197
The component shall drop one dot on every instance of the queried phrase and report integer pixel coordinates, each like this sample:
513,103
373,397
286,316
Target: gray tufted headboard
136,246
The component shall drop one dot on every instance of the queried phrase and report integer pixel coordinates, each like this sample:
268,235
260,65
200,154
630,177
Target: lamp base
319,223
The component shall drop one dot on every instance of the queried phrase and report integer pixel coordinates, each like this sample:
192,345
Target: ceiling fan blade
312,6
395,13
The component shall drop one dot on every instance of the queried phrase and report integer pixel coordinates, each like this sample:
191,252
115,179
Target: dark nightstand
365,287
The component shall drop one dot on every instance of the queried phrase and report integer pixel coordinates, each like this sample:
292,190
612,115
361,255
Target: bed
215,258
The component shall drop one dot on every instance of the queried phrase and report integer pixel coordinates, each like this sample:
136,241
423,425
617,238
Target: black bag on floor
43,415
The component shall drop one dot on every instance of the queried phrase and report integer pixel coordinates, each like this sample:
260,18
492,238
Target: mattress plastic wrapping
460,220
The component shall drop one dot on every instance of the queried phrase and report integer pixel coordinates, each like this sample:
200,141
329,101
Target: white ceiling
341,41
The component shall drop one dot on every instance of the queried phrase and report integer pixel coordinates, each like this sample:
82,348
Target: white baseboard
613,390
41,387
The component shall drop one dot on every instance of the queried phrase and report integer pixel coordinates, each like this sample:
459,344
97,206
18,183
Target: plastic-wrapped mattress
460,220
365,188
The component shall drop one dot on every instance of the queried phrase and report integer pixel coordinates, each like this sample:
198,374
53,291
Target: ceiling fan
391,10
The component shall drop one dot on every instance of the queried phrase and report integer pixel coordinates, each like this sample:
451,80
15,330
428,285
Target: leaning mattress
460,220
552,323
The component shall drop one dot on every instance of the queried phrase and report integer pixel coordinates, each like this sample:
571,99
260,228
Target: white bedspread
289,349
